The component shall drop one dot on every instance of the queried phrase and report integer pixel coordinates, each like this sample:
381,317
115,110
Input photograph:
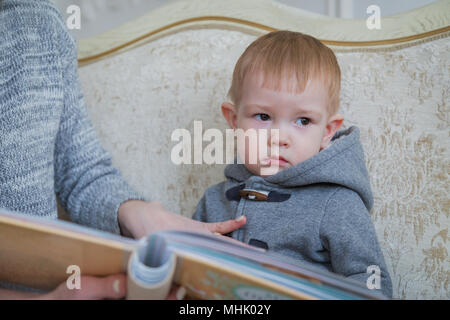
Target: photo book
40,253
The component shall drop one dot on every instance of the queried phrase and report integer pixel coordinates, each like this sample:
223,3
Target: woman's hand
92,288
139,218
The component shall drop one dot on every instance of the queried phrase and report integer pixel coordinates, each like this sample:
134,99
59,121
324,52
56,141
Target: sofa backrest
173,66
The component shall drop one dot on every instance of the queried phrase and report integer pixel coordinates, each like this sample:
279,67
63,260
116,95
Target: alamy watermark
373,22
374,280
74,280
252,146
74,19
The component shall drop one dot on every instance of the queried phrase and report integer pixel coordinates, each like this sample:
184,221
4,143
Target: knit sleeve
348,234
89,188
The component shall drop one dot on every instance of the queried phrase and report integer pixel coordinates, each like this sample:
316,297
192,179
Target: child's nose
279,136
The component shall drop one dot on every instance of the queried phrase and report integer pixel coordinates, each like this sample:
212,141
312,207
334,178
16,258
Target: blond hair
292,55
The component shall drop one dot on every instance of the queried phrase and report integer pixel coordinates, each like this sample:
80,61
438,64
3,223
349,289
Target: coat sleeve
213,206
348,234
89,188
200,212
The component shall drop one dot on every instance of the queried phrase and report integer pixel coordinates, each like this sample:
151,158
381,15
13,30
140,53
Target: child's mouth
278,161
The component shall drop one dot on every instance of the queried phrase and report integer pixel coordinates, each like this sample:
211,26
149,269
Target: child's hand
139,218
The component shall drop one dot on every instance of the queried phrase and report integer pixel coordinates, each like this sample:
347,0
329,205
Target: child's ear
229,112
333,125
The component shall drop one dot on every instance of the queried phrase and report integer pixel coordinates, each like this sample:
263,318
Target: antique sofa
173,66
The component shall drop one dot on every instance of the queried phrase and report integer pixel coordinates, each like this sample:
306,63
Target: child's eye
262,117
302,122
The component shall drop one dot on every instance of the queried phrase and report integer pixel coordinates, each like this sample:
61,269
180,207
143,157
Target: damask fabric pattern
398,97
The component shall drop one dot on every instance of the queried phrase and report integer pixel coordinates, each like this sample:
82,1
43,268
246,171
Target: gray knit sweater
48,146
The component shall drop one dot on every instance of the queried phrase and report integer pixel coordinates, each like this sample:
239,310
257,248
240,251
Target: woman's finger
93,288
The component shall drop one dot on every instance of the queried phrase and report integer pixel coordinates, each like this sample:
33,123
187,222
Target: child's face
303,123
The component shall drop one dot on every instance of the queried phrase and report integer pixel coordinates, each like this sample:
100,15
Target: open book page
217,267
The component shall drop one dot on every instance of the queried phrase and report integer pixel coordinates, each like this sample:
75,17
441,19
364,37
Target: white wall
356,8
100,15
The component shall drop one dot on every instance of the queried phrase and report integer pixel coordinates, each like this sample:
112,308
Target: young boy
310,197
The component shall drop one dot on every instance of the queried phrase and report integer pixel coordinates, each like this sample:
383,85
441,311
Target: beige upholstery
152,76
